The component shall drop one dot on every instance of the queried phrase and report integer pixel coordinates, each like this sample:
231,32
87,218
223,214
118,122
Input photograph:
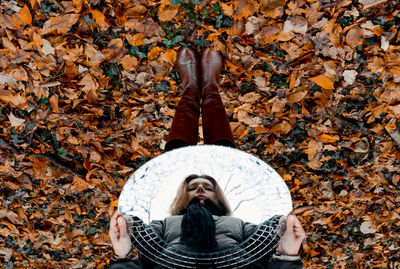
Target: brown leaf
354,37
281,128
13,217
296,96
60,24
20,74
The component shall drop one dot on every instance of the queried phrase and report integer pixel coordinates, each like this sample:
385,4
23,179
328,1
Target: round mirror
255,191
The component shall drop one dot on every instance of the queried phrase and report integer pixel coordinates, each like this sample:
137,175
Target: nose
200,188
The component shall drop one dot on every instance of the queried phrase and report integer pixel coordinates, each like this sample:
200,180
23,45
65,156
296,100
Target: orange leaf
167,11
38,165
228,9
325,138
25,15
129,62
114,203
153,53
323,81
98,16
135,40
170,55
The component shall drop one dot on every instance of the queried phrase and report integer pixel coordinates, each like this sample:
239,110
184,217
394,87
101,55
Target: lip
201,197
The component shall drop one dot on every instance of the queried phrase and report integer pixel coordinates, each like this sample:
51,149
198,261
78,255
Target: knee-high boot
185,125
216,128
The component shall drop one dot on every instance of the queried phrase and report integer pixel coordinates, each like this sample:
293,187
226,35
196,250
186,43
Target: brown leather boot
185,125
216,128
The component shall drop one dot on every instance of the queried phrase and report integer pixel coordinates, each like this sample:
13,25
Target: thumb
290,223
122,227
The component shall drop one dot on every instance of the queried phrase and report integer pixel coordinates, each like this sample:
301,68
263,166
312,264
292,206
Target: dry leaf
25,15
295,24
370,3
60,24
367,228
154,53
167,11
283,128
349,76
228,9
7,79
323,81
47,49
354,37
129,62
15,122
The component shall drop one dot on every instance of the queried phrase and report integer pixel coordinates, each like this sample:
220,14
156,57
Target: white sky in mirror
254,190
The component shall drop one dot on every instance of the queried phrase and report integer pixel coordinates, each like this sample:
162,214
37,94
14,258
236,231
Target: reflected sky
254,190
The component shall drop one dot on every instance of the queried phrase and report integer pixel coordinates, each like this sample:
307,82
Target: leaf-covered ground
88,89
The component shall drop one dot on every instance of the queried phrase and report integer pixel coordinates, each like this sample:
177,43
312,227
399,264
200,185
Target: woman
200,218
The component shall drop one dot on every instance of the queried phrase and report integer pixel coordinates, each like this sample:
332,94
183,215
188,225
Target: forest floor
88,90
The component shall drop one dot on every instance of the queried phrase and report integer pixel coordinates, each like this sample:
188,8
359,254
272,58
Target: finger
290,223
113,219
122,227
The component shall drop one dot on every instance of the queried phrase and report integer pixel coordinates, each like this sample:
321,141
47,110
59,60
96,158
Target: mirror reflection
253,189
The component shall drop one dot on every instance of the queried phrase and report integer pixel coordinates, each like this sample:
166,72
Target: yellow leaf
323,81
153,53
25,15
167,11
114,203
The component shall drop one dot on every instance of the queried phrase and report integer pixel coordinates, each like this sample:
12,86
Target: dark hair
191,177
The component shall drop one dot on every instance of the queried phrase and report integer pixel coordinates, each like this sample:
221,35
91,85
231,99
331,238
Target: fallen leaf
60,24
354,37
283,128
349,76
129,62
154,53
15,122
323,81
25,15
295,24
47,49
367,228
370,3
167,11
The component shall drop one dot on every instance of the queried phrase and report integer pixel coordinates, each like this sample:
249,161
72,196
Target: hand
293,235
119,236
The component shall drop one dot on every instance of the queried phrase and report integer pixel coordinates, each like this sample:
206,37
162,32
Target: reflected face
203,189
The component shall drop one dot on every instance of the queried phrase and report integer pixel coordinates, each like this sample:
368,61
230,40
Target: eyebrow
195,184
